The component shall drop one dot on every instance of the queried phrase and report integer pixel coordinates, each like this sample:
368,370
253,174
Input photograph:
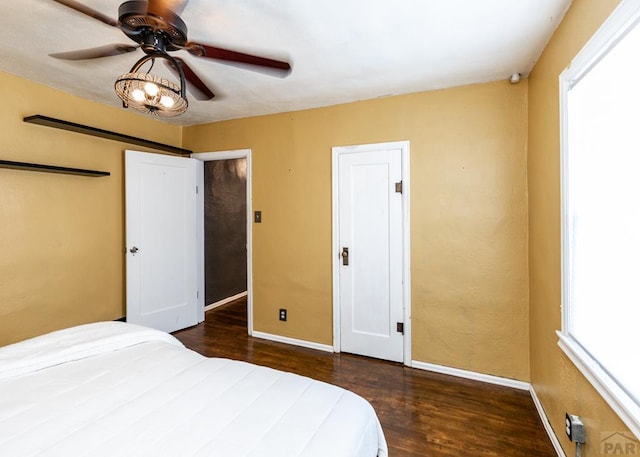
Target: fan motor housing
152,31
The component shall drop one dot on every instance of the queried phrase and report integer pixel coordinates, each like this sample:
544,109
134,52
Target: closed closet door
370,253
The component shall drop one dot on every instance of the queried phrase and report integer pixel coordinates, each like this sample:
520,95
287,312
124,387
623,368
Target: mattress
116,389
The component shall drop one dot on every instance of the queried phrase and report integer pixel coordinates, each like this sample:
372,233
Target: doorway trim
337,151
227,155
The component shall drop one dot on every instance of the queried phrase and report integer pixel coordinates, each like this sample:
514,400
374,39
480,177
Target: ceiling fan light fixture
152,94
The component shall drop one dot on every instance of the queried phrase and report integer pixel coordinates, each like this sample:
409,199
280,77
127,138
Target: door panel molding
337,260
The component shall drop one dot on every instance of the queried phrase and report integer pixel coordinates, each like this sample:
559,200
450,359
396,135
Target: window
600,111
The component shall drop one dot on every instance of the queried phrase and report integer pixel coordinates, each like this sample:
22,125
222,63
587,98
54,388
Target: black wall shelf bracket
51,168
100,133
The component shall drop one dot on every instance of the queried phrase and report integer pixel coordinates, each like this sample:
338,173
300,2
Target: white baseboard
225,301
513,383
293,341
547,425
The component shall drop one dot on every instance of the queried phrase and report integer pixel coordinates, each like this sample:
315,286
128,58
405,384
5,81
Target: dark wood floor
422,413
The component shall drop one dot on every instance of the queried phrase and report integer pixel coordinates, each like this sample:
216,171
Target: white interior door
370,251
161,237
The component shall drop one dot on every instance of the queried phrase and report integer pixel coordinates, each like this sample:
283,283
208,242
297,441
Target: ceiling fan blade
95,53
199,90
79,7
228,56
166,8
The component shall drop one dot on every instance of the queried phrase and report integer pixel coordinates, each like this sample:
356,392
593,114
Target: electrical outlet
283,314
574,428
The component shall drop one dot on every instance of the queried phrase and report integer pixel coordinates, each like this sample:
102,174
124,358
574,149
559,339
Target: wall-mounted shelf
100,133
51,168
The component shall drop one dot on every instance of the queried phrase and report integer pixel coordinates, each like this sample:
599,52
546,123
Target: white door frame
227,155
404,146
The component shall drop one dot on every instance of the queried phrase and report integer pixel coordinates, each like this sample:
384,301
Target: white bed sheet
115,389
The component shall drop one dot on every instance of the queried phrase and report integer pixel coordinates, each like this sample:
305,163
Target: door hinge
196,189
400,327
399,187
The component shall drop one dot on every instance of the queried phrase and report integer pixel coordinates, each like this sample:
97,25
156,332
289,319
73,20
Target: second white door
370,251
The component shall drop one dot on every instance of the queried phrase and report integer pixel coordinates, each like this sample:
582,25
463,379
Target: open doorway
225,231
227,228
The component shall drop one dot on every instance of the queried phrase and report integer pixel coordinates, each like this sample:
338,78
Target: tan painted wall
558,383
61,236
468,217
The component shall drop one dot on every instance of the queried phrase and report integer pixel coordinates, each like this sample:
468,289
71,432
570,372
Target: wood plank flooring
422,413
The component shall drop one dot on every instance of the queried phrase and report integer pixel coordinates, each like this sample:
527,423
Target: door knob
133,250
345,256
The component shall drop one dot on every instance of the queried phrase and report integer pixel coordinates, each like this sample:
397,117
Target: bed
116,389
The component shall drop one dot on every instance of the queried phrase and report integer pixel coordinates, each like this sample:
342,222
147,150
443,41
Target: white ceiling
340,50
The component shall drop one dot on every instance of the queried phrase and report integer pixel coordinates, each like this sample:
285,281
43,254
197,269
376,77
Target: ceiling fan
156,27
